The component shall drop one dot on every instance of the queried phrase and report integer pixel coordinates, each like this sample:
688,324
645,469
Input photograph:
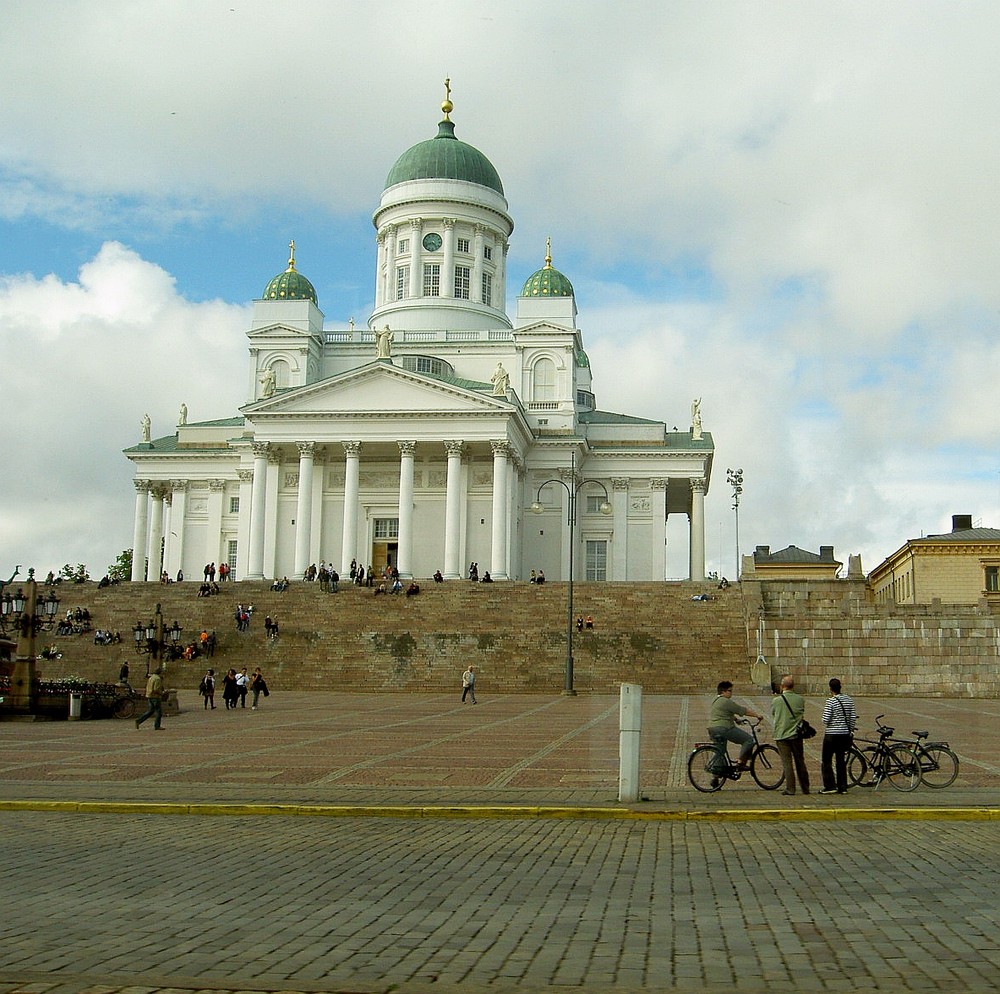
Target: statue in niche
500,380
268,384
696,418
147,428
182,415
383,343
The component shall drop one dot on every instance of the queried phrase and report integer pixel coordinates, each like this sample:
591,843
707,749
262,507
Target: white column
156,536
476,293
258,495
213,538
381,270
274,466
389,288
452,511
404,547
140,529
416,262
659,558
447,285
697,539
243,524
352,486
619,544
316,546
498,555
178,511
303,509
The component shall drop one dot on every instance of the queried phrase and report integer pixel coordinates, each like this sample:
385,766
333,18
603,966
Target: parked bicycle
886,761
710,766
937,763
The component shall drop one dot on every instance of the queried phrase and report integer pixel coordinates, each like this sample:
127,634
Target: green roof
547,282
290,285
445,157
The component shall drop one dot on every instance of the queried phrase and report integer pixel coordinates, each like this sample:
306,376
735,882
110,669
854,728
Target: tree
77,574
121,569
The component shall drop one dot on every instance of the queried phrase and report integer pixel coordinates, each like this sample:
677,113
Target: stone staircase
652,634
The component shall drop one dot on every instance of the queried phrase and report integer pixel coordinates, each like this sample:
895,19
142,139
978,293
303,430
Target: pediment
378,388
278,331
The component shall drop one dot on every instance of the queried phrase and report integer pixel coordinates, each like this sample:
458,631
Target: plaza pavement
480,847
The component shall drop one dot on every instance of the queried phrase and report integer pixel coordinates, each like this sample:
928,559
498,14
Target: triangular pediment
278,331
378,388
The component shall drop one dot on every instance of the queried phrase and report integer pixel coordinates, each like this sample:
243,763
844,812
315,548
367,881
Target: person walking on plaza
230,692
722,722
258,686
207,689
787,710
840,719
469,684
242,685
154,694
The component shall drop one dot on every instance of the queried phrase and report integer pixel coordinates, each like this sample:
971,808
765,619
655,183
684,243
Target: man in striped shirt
840,718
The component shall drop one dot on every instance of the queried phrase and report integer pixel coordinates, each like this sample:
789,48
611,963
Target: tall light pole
572,490
734,477
155,639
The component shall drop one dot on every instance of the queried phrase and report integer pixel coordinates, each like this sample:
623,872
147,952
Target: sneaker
789,793
828,790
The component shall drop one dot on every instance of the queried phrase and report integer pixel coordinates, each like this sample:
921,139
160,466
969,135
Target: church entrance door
383,556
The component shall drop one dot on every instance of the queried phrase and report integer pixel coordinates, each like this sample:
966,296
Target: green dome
291,284
445,157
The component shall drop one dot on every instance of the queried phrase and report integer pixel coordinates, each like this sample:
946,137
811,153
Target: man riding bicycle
722,722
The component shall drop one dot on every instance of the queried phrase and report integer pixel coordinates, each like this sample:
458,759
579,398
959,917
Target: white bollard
629,732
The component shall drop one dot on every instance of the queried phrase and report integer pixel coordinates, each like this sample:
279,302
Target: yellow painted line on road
508,812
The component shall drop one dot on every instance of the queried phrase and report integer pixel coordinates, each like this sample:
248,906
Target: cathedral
443,433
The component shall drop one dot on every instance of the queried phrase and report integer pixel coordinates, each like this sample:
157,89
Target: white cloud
85,360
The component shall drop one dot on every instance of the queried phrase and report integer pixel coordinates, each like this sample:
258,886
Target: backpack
203,687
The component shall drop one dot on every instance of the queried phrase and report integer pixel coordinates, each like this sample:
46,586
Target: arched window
543,381
282,374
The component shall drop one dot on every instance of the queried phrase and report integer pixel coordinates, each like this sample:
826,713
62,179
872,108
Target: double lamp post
572,492
27,615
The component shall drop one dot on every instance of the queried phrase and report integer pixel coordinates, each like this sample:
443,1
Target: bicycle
884,761
709,766
938,764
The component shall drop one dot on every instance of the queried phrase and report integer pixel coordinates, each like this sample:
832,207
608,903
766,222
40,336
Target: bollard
629,731
75,706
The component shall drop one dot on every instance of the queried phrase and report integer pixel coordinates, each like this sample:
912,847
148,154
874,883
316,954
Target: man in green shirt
787,710
722,723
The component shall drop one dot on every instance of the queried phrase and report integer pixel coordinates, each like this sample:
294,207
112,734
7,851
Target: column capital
698,485
407,448
501,447
454,447
217,486
658,484
449,222
260,449
416,223
306,449
179,486
158,490
142,486
620,482
351,448
245,475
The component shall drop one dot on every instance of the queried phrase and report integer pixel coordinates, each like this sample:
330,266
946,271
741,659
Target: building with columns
422,440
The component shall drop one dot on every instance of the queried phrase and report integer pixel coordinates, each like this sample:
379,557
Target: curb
506,812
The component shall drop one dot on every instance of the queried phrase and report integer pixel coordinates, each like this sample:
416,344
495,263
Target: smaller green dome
291,284
547,282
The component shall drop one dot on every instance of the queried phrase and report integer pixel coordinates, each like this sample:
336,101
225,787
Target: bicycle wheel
701,766
902,768
124,708
938,766
859,766
767,768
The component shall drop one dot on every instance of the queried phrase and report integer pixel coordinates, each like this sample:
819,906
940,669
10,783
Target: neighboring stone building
959,567
421,440
792,563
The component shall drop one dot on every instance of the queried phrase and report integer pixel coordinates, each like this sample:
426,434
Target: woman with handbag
840,718
787,710
258,686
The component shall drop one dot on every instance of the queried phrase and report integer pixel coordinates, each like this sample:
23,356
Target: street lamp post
572,490
153,639
29,616
734,477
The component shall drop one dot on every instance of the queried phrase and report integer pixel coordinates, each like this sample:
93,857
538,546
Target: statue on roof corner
696,418
182,415
268,384
383,343
500,380
147,427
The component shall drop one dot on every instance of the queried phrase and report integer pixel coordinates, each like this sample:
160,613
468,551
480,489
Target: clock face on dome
432,241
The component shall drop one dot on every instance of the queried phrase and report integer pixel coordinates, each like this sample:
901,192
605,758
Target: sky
787,209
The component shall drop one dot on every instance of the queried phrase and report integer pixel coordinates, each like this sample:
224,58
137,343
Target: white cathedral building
443,433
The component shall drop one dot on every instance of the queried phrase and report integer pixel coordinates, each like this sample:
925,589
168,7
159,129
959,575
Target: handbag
803,730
